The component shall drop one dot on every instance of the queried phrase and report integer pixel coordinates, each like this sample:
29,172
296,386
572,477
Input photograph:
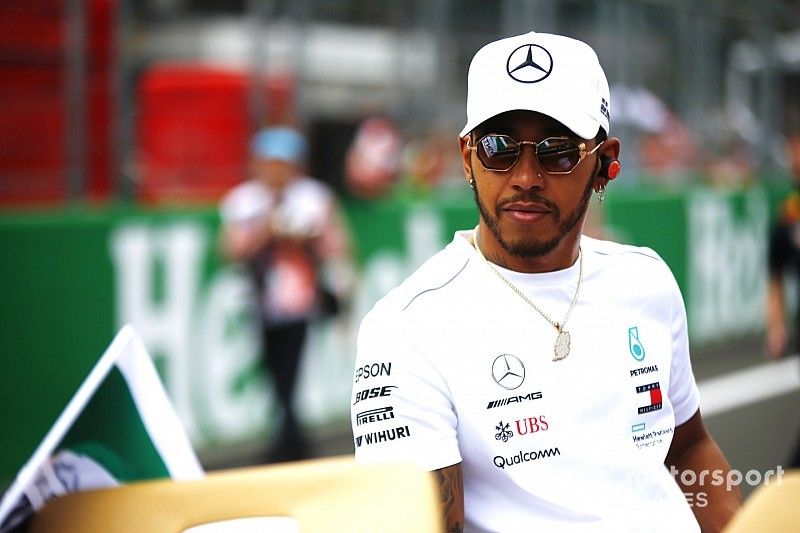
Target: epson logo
374,415
373,370
374,392
514,399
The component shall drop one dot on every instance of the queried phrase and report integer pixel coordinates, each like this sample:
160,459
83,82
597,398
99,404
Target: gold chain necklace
562,344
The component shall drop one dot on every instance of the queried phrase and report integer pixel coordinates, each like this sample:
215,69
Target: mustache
530,197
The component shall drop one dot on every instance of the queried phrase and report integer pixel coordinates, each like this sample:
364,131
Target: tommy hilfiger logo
653,391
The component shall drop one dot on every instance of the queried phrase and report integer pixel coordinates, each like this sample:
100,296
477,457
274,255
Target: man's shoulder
623,253
431,284
625,266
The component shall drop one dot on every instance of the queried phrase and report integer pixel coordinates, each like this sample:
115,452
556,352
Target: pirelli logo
374,415
514,399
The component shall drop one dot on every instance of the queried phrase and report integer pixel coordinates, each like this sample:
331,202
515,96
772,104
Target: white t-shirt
453,366
303,208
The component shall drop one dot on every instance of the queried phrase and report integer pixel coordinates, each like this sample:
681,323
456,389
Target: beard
532,247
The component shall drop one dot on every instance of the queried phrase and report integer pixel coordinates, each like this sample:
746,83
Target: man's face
528,215
275,173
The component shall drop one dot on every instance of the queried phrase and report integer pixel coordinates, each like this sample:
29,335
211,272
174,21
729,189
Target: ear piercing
613,169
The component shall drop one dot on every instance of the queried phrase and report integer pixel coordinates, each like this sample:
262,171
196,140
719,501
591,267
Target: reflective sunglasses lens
558,155
498,152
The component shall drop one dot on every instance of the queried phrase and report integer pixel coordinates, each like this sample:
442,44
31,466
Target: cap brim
581,125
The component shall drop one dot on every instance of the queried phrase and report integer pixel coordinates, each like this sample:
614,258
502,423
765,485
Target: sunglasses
556,155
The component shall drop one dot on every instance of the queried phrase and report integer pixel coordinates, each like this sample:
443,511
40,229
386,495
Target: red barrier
34,103
194,129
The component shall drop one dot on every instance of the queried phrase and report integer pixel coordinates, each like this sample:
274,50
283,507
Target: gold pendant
561,347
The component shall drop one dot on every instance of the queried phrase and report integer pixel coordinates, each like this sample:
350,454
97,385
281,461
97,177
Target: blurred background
123,123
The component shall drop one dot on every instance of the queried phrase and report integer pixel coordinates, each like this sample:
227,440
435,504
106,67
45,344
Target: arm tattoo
452,493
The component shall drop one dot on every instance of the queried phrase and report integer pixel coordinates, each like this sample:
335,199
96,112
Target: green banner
72,278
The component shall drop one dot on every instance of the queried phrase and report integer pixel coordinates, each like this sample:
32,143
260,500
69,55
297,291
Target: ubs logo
503,433
523,426
508,371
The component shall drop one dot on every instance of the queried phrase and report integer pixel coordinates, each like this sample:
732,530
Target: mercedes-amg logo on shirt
508,371
530,63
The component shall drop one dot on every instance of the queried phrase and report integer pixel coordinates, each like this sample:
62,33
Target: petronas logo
634,344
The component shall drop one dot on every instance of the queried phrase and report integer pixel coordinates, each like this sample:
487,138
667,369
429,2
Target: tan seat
770,508
333,494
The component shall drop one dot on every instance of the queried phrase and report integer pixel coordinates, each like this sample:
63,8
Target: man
285,226
544,376
784,255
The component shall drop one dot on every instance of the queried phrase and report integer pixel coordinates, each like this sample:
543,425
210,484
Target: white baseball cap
551,74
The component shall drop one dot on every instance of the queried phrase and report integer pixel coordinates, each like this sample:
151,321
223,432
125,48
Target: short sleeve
401,408
306,208
245,203
683,392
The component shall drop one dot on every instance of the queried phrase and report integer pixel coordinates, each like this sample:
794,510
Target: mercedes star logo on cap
529,63
508,371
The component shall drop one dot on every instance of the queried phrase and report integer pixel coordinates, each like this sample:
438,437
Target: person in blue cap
286,228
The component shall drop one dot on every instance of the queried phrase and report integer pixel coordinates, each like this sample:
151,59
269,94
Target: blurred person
728,160
544,376
428,157
668,155
286,227
784,255
372,163
730,165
